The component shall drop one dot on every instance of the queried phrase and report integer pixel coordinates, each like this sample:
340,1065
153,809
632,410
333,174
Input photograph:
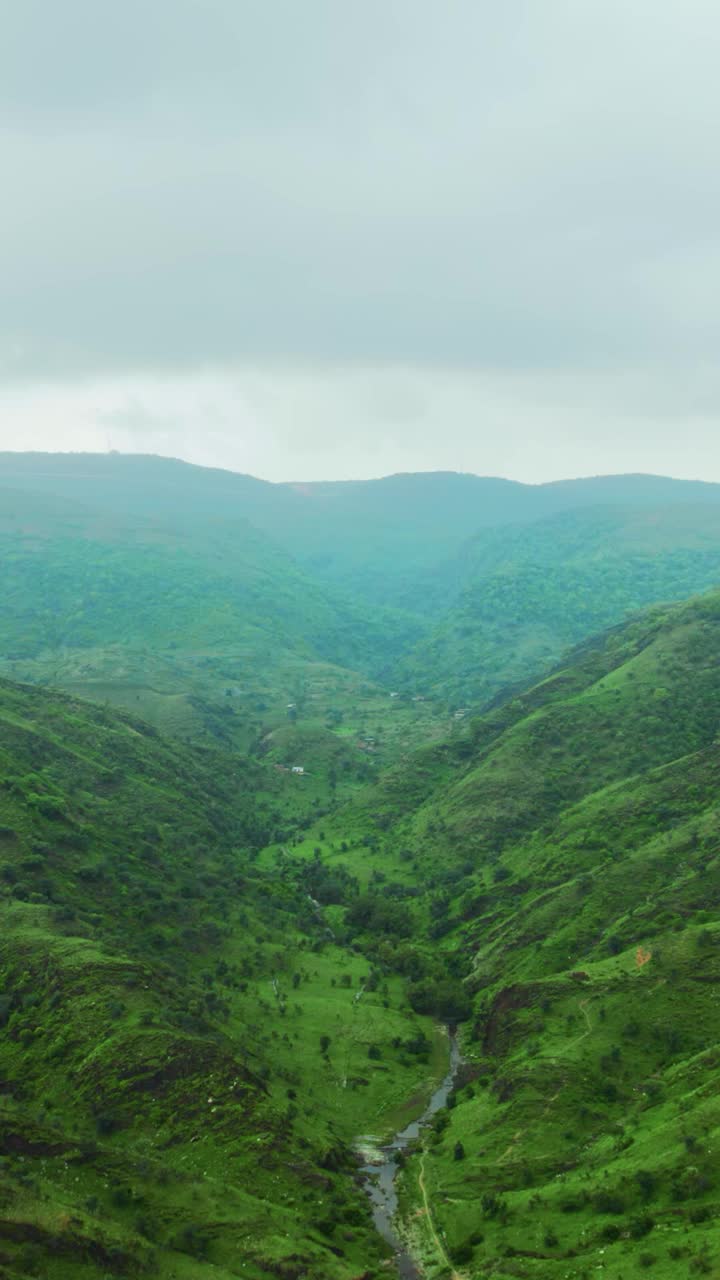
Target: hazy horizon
428,471
320,241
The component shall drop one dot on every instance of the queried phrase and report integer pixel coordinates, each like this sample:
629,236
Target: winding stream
380,1169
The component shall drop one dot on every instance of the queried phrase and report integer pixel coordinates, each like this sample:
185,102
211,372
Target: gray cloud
520,190
307,422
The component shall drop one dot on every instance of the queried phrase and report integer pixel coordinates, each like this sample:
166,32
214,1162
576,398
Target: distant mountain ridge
445,583
529,592
381,529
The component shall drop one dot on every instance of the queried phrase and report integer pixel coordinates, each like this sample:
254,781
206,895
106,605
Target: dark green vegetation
531,591
215,973
158,585
185,1052
569,850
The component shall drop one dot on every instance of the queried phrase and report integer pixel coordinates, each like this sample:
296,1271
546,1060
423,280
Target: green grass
168,1105
567,848
190,1044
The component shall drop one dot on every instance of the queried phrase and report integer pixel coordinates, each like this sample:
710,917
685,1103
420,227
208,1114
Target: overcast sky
339,238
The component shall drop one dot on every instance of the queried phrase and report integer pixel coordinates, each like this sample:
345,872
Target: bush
609,1202
647,1182
191,1240
611,1232
641,1227
446,999
492,1206
462,1253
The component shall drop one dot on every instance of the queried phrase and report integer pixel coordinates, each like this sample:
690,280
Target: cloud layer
370,216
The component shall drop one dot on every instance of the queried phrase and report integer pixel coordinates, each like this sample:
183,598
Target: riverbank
382,1163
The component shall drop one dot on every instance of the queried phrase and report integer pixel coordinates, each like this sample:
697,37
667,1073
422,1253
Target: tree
459,1152
447,999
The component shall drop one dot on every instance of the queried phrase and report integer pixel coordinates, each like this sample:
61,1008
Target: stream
380,1169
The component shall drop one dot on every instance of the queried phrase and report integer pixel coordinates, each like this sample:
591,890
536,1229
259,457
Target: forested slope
175,1025
528,593
445,585
568,849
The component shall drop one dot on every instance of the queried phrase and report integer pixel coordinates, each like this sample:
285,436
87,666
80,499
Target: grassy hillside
449,585
568,851
77,575
532,592
184,1049
387,541
216,973
402,539
207,629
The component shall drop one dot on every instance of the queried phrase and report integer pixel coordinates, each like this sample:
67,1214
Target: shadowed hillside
447,585
528,593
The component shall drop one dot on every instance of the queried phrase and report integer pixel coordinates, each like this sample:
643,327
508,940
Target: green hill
529,593
184,1059
387,541
568,851
402,539
203,626
215,974
450,585
77,575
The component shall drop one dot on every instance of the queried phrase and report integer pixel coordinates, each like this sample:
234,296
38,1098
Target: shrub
105,1124
641,1227
462,1253
611,1232
492,1205
647,1182
191,1240
609,1202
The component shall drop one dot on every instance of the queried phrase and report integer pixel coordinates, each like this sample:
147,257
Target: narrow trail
642,956
517,1137
583,1004
454,1275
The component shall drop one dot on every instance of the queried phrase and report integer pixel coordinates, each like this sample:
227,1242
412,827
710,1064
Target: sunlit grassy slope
216,973
568,850
184,1049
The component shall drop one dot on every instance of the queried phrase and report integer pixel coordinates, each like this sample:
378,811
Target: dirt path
582,1004
454,1275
